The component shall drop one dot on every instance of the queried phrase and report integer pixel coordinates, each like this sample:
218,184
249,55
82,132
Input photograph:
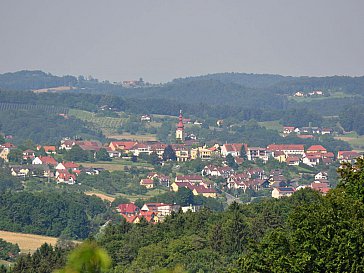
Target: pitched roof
127,208
316,148
285,147
48,160
70,165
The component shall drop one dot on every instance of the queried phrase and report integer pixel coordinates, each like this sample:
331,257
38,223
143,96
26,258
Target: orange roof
316,148
49,148
285,147
124,145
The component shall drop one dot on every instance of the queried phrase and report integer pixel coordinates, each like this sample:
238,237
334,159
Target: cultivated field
117,164
28,243
357,142
107,125
101,195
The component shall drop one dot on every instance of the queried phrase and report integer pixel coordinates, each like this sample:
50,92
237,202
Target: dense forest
306,232
67,214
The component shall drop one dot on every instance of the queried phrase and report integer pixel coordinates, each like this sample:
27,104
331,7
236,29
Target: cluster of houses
151,212
45,166
320,184
306,132
309,94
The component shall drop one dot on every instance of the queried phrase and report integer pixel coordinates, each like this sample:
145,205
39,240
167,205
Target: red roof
315,148
124,145
128,208
146,181
8,145
48,160
285,147
49,148
70,165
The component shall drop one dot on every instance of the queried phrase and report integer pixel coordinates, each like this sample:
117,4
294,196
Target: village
232,169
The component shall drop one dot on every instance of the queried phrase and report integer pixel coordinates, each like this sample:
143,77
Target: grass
333,95
149,194
117,164
28,243
107,125
272,125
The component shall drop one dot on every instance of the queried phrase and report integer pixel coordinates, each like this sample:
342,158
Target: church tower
180,131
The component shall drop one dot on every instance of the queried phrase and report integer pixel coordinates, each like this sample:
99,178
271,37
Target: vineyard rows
47,108
103,123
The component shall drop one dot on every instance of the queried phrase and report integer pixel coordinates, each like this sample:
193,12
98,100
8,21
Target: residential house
233,149
212,170
4,152
282,192
202,152
206,192
182,152
28,154
321,187
65,177
113,153
45,160
125,146
316,149
293,160
347,156
321,175
67,166
49,150
128,209
148,183
288,130
254,153
287,149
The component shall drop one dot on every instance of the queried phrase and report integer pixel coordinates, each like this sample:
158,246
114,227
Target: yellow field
53,89
101,195
28,243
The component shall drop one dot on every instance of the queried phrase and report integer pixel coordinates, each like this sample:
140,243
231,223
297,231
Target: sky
159,40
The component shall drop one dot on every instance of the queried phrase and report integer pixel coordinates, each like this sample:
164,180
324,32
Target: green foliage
71,215
102,155
8,251
77,154
114,182
8,182
44,260
43,127
169,154
352,118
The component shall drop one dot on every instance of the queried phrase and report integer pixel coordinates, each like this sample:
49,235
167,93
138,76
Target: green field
107,125
333,95
272,125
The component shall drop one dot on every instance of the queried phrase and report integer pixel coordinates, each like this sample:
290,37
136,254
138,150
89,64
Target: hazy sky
161,40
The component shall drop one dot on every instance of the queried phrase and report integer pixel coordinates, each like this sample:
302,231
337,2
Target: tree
169,154
184,197
243,154
102,155
15,155
230,161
